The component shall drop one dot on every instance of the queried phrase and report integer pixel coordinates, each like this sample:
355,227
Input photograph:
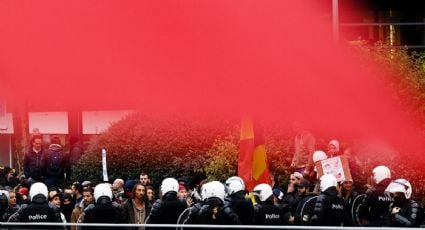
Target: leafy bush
175,146
224,159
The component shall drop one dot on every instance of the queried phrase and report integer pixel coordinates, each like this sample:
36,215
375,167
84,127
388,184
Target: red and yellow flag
252,164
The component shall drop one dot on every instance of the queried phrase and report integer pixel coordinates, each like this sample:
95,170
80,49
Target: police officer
167,209
374,209
329,209
242,206
266,213
104,211
214,210
38,210
404,211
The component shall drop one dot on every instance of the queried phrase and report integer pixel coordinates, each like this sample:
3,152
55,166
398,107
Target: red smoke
222,57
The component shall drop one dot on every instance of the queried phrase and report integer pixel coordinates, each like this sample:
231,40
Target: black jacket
37,213
34,165
376,205
303,208
55,161
349,201
212,212
290,202
166,210
410,215
128,209
266,213
75,153
104,213
242,206
329,209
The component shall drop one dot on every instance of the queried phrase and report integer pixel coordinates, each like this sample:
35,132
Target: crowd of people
387,203
309,198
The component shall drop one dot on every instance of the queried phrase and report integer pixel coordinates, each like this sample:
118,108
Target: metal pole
335,20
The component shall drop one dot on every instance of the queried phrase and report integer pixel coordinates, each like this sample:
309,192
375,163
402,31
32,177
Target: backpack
54,162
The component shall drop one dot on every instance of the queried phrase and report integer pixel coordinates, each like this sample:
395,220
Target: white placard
338,166
333,166
48,122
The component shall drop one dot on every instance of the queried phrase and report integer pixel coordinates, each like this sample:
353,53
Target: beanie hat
278,194
182,187
298,175
130,184
334,143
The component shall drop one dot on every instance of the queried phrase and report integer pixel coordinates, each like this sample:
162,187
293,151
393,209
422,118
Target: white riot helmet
234,184
101,190
263,192
38,188
399,186
327,181
169,185
381,173
319,156
213,189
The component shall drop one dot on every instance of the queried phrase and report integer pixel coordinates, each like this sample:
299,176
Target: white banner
104,167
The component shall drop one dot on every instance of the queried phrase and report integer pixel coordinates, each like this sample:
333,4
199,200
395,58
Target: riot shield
147,220
355,209
182,218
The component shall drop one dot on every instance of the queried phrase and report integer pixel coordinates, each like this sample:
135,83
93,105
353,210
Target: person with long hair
135,207
346,192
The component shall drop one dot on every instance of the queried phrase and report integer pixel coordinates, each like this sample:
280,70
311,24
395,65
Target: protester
347,193
75,152
77,213
333,149
34,160
182,193
135,208
144,179
118,190
8,178
77,193
55,161
304,145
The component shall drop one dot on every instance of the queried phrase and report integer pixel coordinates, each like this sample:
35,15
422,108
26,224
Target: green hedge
172,146
175,147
